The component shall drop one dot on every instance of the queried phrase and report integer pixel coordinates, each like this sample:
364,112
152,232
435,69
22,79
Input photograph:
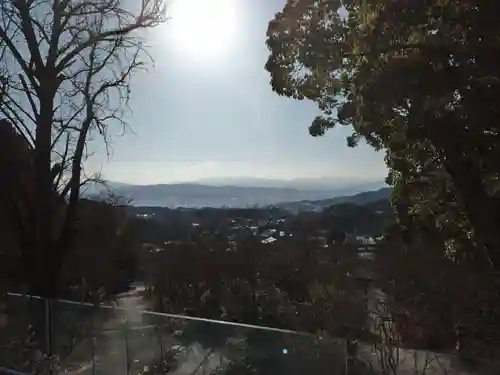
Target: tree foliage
419,80
224,271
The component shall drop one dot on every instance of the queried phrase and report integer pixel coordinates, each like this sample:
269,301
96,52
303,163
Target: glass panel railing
23,347
86,339
71,338
73,329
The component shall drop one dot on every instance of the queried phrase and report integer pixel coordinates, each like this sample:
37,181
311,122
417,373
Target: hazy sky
206,109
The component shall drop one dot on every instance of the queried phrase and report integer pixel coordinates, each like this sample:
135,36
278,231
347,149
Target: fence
38,336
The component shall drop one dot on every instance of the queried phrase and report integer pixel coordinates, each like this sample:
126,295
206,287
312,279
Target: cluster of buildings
269,231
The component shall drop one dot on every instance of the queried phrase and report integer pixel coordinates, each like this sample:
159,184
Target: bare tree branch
65,77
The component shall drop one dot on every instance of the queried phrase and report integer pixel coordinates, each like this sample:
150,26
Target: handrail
6,371
172,316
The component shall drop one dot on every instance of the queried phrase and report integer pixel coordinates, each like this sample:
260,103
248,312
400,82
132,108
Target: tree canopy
420,80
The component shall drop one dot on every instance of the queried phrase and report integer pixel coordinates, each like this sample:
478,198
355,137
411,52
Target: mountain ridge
303,183
200,195
362,198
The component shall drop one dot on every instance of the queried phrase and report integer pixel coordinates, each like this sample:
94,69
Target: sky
206,108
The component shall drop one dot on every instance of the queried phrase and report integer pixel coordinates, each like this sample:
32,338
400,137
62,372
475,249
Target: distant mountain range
213,195
346,184
318,205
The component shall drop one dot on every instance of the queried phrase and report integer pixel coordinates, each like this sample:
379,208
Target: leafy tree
437,301
294,283
418,80
65,68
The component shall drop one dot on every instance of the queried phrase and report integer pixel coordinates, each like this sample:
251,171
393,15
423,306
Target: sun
203,29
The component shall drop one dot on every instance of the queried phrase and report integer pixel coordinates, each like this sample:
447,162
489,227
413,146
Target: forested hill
319,205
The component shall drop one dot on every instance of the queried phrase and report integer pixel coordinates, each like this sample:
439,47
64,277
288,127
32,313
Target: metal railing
38,336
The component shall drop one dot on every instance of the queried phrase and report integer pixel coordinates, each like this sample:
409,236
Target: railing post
93,311
48,336
346,356
127,354
93,352
160,337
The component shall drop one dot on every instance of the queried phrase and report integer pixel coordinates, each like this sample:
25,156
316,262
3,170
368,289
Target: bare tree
65,70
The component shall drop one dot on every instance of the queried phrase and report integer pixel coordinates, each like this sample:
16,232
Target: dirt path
128,336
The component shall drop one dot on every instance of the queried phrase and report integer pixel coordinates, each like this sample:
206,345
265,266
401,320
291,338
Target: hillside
319,205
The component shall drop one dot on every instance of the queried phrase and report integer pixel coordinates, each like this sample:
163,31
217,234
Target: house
365,240
268,240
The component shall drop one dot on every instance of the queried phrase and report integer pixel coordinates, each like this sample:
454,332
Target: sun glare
203,28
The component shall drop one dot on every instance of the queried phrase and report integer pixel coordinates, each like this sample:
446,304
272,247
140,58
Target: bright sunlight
203,29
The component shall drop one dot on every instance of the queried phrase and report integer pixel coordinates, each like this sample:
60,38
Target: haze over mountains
236,192
318,183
